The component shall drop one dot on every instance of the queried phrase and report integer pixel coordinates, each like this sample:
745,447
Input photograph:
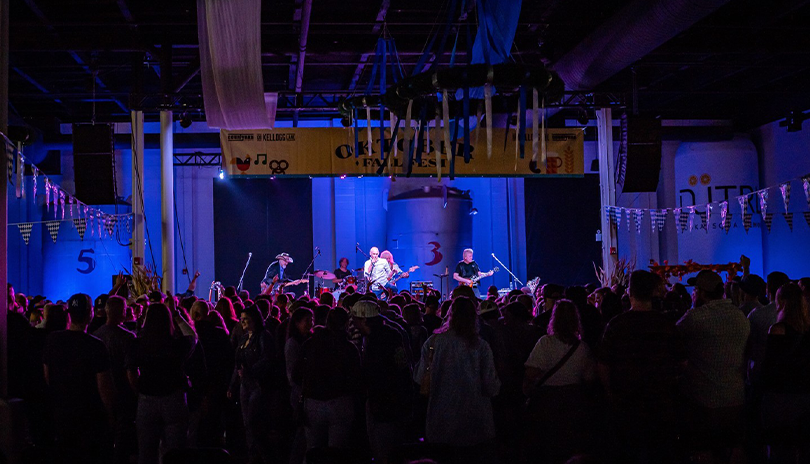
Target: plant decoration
145,279
620,275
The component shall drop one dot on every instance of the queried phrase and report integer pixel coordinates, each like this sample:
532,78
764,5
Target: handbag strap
559,365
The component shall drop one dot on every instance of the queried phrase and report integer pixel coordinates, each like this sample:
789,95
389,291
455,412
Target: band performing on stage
379,275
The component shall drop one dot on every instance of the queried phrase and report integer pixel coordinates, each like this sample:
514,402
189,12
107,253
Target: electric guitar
474,279
402,274
278,287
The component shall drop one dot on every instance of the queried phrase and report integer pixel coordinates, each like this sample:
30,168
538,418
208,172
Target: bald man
376,271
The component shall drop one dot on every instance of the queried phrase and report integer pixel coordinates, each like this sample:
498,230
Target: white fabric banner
231,65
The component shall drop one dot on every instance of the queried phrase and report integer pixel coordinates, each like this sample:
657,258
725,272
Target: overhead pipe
306,11
635,31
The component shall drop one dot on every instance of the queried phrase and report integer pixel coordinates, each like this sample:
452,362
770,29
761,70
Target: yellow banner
329,152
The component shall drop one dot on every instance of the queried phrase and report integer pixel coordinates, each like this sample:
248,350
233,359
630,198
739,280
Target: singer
376,271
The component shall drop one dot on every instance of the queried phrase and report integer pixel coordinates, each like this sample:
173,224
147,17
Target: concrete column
167,198
607,185
3,199
138,179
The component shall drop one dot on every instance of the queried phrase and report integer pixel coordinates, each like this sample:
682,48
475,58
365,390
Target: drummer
342,273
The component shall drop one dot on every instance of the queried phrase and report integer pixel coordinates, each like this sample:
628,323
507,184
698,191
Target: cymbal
324,275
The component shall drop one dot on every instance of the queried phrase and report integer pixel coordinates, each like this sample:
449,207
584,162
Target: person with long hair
155,371
253,377
785,379
556,400
225,309
463,381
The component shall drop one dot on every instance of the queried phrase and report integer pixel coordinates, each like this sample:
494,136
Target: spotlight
221,174
185,120
473,211
582,115
346,121
794,120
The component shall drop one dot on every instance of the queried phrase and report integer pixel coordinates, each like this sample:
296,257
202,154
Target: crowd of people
644,374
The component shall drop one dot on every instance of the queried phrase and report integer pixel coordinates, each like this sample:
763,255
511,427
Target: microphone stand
239,287
507,269
306,272
441,283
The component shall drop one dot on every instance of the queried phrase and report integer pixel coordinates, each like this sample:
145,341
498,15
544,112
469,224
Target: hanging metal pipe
167,198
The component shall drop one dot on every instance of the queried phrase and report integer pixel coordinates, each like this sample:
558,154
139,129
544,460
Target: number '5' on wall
85,256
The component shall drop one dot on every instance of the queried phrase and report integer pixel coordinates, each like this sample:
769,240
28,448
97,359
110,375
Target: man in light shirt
376,271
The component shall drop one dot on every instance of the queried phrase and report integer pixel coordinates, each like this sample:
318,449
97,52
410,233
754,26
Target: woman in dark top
155,371
786,379
252,376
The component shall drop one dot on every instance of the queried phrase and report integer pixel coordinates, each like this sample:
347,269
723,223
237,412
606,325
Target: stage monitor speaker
643,155
93,174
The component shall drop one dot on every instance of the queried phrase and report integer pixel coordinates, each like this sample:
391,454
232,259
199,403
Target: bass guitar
474,279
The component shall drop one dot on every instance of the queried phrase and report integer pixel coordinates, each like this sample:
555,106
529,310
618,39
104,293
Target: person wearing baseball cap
752,287
77,371
715,334
387,378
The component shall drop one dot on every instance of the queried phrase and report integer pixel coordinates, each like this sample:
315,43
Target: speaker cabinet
93,173
643,155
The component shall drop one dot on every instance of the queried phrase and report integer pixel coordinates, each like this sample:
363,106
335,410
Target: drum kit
356,279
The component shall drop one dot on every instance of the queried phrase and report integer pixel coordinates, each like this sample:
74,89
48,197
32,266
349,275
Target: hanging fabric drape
231,65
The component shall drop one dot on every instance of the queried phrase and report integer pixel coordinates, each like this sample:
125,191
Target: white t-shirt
549,350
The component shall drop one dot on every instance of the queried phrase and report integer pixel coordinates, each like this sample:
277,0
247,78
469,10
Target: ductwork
639,28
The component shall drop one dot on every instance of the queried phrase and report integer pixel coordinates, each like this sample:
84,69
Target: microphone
317,249
250,253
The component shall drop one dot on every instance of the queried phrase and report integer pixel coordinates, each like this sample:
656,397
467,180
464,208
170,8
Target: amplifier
418,287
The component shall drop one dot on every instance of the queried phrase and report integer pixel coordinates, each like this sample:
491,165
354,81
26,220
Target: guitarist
391,285
276,271
466,269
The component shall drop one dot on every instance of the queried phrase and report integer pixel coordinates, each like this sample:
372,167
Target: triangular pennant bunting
81,226
129,224
768,218
691,218
785,189
747,221
25,230
110,224
806,186
653,219
707,219
53,229
661,219
617,214
727,223
763,202
638,215
789,220
743,200
609,214
807,217
629,216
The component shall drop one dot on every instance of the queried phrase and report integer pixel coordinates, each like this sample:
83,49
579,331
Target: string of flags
105,228
60,204
688,217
